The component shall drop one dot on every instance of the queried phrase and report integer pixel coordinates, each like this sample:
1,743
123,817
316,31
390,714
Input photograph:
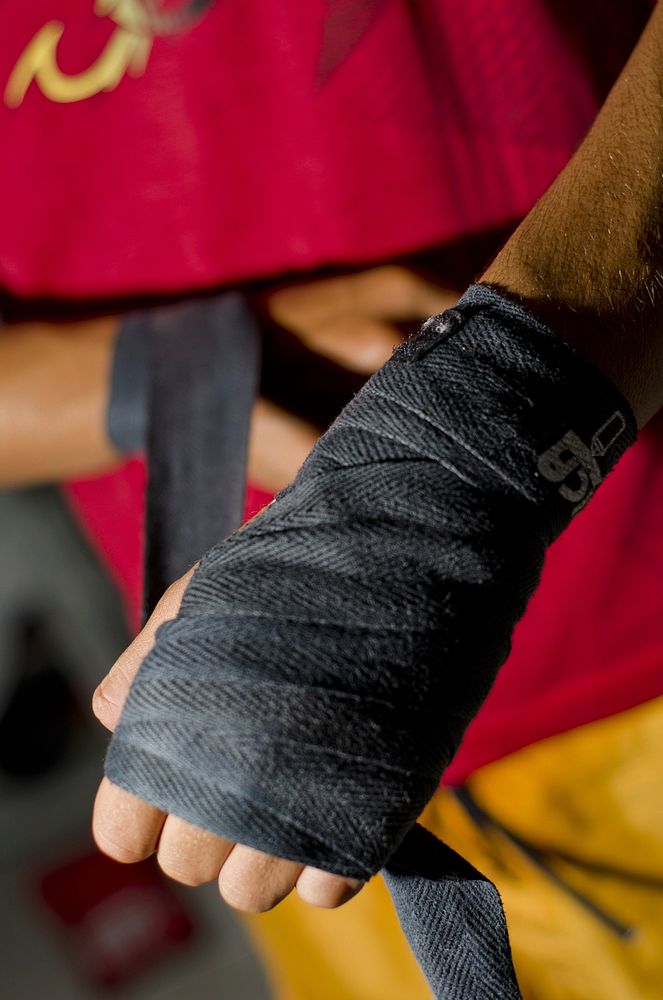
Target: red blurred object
118,920
256,499
110,509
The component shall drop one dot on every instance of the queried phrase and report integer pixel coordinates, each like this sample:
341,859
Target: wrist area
579,422
490,393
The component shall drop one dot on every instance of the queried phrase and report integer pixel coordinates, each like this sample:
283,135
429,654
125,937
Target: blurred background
75,924
218,219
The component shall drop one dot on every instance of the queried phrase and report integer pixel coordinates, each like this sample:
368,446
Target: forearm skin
588,259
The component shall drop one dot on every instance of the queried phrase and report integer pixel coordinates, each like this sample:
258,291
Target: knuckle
102,706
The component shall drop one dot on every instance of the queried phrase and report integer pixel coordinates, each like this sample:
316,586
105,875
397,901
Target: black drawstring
540,859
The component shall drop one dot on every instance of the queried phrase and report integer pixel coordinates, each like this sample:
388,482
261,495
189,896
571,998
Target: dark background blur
74,924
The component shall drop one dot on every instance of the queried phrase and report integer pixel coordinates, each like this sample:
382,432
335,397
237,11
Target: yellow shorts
571,832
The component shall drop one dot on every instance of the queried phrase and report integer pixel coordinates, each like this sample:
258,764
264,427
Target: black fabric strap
126,417
203,368
453,919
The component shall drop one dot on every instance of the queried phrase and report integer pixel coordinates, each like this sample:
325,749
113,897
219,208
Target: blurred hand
350,318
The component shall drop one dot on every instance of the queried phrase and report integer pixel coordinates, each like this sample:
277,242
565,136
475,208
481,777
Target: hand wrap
329,655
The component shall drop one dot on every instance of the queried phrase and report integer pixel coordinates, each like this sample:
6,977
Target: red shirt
279,135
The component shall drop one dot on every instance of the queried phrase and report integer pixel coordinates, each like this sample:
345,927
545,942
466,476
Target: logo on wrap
137,24
574,465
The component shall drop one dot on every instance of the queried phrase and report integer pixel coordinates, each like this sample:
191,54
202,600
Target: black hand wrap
328,656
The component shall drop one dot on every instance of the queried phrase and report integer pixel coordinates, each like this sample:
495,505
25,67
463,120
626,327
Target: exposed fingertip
124,826
121,853
254,882
247,899
324,890
189,854
183,873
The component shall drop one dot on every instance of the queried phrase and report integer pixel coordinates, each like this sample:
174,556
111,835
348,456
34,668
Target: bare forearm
54,385
589,257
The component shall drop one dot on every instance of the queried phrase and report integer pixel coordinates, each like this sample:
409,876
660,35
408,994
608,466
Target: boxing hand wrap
183,384
329,655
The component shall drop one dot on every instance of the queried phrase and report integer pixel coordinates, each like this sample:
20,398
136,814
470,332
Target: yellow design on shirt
127,52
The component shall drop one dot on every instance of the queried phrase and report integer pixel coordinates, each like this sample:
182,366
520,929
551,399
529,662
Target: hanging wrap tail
328,656
203,379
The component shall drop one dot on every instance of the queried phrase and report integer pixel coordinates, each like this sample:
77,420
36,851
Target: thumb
109,698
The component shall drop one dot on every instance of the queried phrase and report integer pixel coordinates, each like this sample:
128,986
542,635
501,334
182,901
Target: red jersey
212,142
